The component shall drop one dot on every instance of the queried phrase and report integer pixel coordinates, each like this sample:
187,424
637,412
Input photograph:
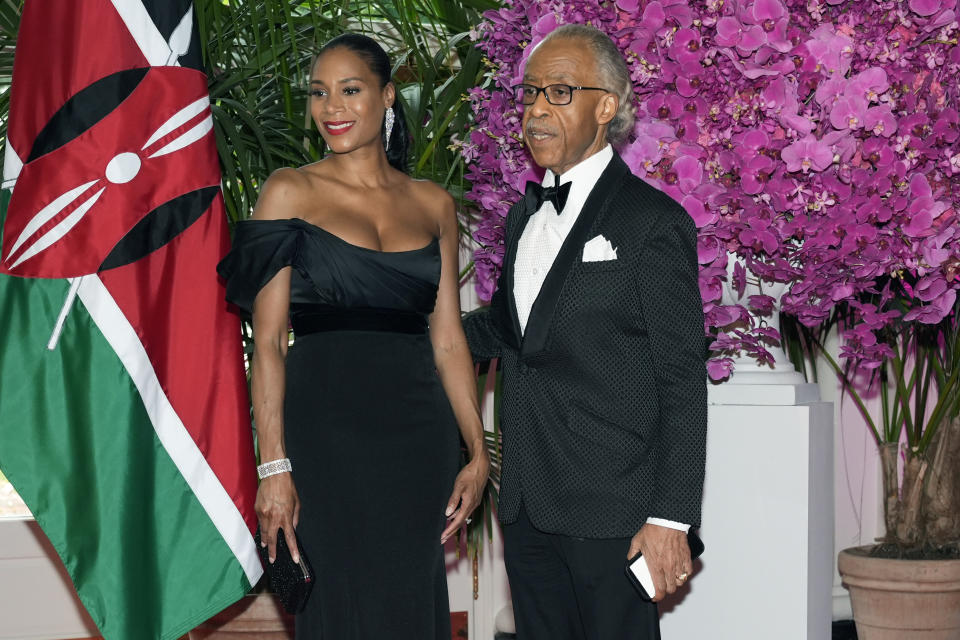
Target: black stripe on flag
160,226
85,109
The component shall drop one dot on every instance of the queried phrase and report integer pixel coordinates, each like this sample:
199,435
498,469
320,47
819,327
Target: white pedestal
767,521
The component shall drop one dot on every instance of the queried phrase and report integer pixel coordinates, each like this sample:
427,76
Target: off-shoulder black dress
367,425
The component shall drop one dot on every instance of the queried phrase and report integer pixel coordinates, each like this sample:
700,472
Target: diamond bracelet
274,467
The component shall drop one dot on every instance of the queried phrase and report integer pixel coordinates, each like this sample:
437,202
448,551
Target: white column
768,521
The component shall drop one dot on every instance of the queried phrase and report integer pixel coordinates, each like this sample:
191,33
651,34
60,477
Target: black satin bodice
330,275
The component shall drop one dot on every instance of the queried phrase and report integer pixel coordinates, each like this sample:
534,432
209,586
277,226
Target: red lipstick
336,128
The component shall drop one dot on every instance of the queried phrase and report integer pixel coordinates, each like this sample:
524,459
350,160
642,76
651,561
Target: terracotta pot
901,599
255,617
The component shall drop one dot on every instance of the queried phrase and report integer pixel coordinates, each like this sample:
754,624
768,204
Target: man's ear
607,108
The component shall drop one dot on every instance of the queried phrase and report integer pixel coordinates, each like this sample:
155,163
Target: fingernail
448,511
296,559
271,560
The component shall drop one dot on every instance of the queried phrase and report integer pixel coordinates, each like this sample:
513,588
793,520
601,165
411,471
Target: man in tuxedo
598,322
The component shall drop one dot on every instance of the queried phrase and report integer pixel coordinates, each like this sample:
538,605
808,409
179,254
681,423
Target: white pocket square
599,249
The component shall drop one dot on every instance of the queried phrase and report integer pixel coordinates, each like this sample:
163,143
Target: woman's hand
278,507
467,492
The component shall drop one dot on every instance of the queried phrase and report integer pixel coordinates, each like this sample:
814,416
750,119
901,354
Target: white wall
37,599
857,483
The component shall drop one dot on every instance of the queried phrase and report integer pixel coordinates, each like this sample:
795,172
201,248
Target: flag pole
64,312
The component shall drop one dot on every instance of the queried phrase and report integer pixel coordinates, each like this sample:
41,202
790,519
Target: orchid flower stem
903,395
848,387
920,411
886,416
947,395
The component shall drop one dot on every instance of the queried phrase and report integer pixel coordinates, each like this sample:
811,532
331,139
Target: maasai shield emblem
122,166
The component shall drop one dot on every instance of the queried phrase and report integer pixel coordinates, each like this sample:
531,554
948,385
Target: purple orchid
849,112
925,7
807,154
719,368
771,17
761,304
932,313
816,139
755,174
880,121
747,38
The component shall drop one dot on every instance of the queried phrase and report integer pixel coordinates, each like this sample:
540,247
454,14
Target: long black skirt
375,450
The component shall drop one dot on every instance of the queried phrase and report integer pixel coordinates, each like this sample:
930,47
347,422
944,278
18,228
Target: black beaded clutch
290,581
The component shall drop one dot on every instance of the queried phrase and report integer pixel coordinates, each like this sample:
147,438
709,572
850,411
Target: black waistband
316,320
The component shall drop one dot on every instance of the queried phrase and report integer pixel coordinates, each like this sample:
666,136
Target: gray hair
614,74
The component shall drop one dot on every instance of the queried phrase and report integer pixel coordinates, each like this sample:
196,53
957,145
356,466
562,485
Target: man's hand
667,555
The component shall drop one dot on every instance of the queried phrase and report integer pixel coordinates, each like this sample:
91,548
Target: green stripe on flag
77,444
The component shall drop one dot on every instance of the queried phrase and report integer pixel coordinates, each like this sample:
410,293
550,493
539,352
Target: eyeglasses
556,94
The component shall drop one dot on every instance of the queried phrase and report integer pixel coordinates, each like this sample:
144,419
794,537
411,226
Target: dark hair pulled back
398,148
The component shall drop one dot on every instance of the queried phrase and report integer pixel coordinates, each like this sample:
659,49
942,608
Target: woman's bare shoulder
434,200
285,193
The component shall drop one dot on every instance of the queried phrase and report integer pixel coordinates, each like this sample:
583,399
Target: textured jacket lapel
541,314
519,212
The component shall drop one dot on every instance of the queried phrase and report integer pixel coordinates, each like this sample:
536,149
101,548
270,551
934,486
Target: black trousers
567,588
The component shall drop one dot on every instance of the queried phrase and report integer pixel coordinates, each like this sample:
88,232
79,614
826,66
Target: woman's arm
455,367
277,505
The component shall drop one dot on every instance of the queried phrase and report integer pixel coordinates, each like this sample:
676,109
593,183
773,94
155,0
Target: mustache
539,129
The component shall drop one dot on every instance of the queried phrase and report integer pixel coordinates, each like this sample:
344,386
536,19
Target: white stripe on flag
12,165
180,38
140,25
180,117
169,428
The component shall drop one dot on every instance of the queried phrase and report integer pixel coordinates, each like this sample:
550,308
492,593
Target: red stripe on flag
174,301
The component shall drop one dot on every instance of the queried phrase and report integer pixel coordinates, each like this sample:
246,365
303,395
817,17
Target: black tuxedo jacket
604,407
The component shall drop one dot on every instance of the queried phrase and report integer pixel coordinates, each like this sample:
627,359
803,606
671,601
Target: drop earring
388,125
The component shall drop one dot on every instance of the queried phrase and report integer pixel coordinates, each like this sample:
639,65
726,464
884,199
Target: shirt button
536,271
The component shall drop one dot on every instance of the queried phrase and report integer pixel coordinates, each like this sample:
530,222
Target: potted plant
908,583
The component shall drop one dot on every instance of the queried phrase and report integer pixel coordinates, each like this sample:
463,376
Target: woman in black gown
362,260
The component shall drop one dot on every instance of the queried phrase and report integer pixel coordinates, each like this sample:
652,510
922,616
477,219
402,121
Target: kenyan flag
124,421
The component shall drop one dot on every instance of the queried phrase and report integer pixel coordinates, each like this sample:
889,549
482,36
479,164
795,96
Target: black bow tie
536,195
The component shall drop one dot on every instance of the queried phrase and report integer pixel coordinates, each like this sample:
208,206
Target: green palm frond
9,23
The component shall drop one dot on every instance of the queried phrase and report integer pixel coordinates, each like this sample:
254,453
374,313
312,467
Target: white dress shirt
544,235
